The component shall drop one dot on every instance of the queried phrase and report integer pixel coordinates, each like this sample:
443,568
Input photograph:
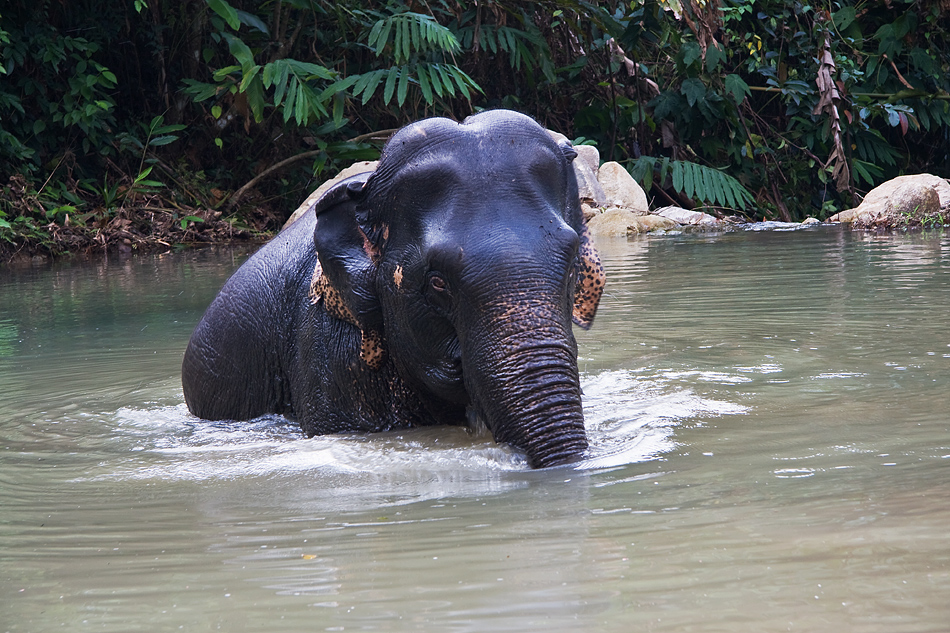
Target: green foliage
780,108
708,185
54,93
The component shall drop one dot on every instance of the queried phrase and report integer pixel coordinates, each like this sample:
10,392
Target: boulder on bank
617,221
621,189
685,216
905,201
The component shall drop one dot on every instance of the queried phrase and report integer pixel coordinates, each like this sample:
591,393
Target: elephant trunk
527,390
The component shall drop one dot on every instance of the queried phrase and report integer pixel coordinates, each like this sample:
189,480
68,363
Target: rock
558,137
845,217
617,221
621,189
808,221
900,202
685,216
352,170
614,222
589,155
588,211
648,223
588,187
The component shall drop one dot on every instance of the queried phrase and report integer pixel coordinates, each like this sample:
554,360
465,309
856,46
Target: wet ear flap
590,281
590,272
344,276
568,150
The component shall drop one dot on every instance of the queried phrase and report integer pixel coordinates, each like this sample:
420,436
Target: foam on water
631,417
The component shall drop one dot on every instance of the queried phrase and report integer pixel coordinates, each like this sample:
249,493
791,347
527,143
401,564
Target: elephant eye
437,283
437,293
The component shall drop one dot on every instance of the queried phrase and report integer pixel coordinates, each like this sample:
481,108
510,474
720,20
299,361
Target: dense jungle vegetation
131,123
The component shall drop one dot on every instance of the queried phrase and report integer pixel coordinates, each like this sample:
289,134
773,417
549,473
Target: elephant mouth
446,377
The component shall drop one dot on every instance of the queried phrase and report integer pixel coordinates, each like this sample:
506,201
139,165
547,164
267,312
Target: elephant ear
344,277
590,272
590,281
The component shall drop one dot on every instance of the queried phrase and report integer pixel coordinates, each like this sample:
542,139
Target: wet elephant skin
439,289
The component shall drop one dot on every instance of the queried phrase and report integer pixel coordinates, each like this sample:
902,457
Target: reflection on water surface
769,451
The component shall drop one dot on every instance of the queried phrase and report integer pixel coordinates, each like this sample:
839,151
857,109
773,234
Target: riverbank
614,203
139,222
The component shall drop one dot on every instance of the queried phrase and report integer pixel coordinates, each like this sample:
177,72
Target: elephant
437,290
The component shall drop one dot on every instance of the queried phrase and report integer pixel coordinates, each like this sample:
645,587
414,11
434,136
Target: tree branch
236,197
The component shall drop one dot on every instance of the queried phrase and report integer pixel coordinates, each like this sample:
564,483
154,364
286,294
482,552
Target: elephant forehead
477,141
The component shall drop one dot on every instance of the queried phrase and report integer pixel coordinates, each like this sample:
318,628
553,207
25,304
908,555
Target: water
768,413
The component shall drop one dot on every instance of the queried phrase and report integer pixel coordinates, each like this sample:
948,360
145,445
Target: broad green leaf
301,107
168,129
714,56
691,52
291,98
694,90
199,91
664,169
417,37
676,173
226,11
397,42
240,51
371,41
312,70
422,74
403,89
390,84
405,41
715,184
688,180
374,78
163,140
337,87
737,87
252,21
222,73
362,82
489,38
383,37
446,80
434,77
338,103
280,78
249,75
255,98
843,18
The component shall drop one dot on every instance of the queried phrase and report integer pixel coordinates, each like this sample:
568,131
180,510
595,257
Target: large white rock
621,189
900,201
589,155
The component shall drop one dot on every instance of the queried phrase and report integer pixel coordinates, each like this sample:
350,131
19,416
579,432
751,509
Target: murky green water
769,415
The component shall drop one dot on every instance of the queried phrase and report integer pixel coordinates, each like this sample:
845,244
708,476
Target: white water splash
631,418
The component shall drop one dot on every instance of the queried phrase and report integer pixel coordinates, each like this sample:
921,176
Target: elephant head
463,259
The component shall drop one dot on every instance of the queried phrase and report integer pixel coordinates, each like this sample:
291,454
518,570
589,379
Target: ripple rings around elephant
438,289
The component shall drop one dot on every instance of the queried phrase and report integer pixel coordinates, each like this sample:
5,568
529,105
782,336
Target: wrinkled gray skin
450,276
